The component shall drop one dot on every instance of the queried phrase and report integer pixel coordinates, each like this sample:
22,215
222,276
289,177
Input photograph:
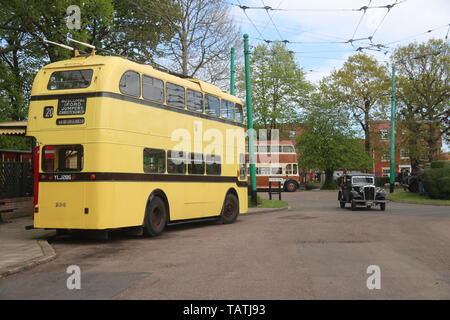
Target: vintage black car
360,190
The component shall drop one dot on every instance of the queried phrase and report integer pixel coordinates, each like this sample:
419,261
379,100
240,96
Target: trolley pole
392,136
232,72
250,131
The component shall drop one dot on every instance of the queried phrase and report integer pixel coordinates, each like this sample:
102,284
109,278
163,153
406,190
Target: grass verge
270,204
405,196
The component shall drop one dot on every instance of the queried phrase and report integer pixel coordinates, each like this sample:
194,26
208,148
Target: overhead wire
389,6
271,20
360,19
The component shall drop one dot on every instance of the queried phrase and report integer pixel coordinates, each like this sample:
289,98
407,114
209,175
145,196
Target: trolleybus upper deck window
174,95
152,89
62,158
212,105
239,113
71,79
194,100
130,83
227,109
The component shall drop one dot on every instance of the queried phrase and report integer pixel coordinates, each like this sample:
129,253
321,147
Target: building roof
13,128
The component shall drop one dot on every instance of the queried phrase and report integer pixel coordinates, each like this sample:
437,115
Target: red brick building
380,142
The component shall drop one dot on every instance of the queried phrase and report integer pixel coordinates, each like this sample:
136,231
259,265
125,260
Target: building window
275,149
154,161
130,84
239,113
262,149
404,154
62,158
213,165
386,157
152,89
174,95
288,149
194,100
176,162
385,172
384,135
212,106
196,164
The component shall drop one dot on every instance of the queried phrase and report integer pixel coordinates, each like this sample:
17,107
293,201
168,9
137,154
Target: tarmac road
313,251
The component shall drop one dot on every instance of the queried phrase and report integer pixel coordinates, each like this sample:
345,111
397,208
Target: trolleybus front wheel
230,209
155,217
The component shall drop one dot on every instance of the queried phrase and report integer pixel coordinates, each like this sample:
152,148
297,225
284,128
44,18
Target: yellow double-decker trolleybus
104,127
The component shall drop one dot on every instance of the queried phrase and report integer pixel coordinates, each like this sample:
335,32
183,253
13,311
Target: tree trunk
329,183
367,133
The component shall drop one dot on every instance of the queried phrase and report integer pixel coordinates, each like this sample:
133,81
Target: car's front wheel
353,205
382,206
342,204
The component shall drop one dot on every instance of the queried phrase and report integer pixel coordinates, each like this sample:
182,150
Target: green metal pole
392,142
250,131
232,72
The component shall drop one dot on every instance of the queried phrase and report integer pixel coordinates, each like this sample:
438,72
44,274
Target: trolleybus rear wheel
230,209
155,217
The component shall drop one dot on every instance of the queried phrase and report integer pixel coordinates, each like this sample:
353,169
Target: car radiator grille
369,193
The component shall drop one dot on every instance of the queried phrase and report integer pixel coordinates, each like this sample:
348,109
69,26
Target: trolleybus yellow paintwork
104,127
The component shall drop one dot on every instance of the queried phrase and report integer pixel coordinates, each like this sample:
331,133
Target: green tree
328,142
424,97
116,25
360,87
279,87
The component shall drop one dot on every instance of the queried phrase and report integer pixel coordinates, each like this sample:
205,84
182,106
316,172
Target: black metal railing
16,179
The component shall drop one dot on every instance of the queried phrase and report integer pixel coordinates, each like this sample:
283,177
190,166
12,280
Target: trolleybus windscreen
71,79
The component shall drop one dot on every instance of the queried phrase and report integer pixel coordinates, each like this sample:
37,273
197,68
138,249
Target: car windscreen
70,79
362,180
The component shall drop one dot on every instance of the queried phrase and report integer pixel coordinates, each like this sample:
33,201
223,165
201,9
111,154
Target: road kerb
48,254
267,210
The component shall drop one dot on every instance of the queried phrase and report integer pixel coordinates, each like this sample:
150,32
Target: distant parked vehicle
360,190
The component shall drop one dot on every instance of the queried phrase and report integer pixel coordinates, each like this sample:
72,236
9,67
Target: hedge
437,180
440,164
381,181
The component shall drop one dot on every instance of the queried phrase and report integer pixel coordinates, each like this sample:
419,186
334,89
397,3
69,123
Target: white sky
318,56
406,19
